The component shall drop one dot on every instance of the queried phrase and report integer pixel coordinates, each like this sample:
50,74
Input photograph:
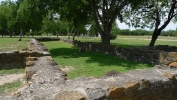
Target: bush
113,36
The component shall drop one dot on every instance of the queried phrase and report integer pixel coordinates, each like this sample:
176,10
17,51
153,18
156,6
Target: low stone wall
11,60
46,81
162,55
17,59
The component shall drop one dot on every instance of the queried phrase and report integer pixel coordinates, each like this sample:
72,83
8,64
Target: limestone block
115,92
173,64
166,62
144,83
29,63
50,58
24,53
170,76
172,54
25,49
31,58
95,93
33,54
131,87
69,95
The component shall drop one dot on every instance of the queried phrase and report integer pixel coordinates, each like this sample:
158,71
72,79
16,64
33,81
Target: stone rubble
46,81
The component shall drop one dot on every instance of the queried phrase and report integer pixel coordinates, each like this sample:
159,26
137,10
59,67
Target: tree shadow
104,60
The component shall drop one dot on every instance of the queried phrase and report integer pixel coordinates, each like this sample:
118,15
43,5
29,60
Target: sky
171,26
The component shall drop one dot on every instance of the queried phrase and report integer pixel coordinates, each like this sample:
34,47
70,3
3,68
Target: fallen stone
173,64
170,76
69,95
29,63
115,92
31,58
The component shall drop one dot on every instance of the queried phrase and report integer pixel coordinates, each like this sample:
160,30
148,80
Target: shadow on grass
89,57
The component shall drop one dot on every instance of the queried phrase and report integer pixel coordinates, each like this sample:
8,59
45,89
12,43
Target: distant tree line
140,32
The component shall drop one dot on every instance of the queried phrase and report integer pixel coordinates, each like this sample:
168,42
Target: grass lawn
12,71
10,44
9,87
134,41
88,63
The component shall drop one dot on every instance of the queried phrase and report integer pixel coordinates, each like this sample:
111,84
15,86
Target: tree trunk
21,33
3,33
57,34
10,34
74,33
105,39
155,35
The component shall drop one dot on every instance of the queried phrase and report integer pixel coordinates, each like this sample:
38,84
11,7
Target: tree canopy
154,14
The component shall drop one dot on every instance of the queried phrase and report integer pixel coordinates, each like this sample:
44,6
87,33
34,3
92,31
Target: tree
139,32
5,16
114,31
30,14
155,14
105,13
75,12
93,29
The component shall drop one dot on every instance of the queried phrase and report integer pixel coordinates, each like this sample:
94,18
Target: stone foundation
162,55
46,81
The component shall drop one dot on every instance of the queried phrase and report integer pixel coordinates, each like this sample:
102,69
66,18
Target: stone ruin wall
162,55
46,81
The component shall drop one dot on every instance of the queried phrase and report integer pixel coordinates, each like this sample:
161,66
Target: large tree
155,14
75,12
30,15
6,16
105,12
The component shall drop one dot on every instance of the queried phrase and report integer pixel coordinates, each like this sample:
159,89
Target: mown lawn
11,71
9,87
88,63
10,44
134,41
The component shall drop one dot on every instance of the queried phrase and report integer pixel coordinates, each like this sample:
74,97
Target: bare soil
10,78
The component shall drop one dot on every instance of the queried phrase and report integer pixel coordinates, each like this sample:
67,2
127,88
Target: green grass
133,41
88,63
9,87
11,71
10,44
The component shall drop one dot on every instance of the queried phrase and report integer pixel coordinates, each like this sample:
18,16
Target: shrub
113,36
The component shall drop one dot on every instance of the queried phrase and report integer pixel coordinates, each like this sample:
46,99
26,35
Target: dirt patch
10,78
67,68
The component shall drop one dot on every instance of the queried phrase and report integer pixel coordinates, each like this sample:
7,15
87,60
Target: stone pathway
10,78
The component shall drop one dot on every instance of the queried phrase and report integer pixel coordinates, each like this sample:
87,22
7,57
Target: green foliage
9,87
114,32
93,29
82,29
88,63
168,33
113,35
7,16
124,32
139,32
12,71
